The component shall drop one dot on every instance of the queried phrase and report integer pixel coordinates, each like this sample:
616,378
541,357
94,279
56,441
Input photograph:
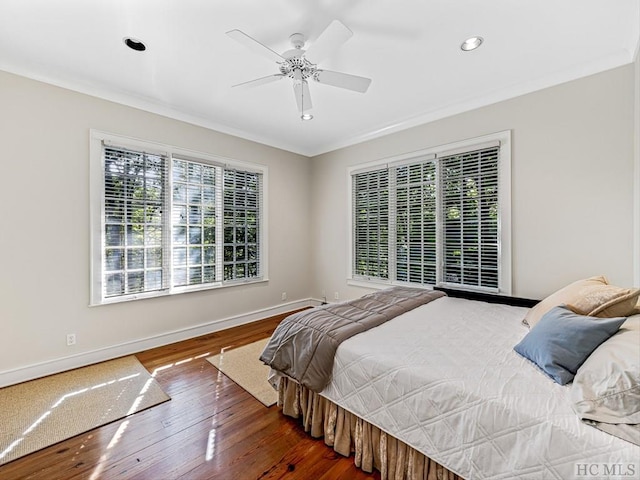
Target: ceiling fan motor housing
297,40
297,63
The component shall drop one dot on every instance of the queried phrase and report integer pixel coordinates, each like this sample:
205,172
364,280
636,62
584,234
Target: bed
438,391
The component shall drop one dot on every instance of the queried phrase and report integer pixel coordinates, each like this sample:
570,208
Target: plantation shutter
469,212
371,223
134,238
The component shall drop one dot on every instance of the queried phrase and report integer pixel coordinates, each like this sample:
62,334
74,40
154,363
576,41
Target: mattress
444,379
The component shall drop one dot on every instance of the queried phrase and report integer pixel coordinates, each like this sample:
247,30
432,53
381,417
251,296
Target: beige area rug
41,412
243,366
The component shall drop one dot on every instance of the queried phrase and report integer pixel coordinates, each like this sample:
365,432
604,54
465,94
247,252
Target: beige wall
44,243
572,183
572,191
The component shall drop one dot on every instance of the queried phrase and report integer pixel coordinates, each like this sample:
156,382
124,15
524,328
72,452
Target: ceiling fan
302,65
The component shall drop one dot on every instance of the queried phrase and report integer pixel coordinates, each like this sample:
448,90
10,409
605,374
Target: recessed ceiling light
306,116
134,44
471,44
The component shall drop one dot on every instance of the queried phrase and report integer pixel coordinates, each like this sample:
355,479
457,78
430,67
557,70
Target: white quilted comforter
444,379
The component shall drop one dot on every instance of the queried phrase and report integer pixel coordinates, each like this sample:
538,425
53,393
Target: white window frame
97,139
636,174
504,206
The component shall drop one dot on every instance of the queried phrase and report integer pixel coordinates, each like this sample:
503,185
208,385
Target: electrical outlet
336,296
71,339
284,296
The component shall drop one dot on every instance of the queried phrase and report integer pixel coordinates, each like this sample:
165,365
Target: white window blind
416,233
434,218
171,223
194,222
469,193
134,245
242,193
371,224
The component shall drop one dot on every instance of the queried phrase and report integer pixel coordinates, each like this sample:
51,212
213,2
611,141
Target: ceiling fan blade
303,97
260,81
329,40
343,80
255,45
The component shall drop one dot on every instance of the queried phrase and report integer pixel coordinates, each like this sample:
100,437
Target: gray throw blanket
304,344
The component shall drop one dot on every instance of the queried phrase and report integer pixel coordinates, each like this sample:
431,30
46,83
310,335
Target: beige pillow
617,301
592,296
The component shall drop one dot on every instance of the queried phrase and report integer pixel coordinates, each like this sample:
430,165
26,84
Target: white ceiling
409,48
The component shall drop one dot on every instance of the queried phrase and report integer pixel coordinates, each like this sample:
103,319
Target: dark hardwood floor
210,429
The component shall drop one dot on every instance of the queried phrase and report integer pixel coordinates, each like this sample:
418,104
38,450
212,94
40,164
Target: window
371,200
133,205
436,217
168,221
469,199
415,215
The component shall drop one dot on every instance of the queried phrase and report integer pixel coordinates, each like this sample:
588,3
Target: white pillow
606,387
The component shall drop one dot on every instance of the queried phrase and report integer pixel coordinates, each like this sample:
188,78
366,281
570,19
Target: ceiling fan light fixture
134,44
306,116
471,43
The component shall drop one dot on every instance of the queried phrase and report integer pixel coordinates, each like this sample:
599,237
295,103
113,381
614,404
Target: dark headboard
487,297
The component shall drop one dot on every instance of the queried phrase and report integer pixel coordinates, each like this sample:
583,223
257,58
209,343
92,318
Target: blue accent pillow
562,340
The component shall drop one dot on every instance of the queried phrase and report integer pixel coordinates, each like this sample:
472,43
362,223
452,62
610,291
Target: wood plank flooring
210,429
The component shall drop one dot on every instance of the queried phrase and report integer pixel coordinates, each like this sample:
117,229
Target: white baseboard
37,370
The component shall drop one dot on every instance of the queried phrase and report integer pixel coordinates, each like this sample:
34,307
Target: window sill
175,291
380,284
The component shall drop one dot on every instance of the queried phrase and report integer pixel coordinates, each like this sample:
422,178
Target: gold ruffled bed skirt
348,434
